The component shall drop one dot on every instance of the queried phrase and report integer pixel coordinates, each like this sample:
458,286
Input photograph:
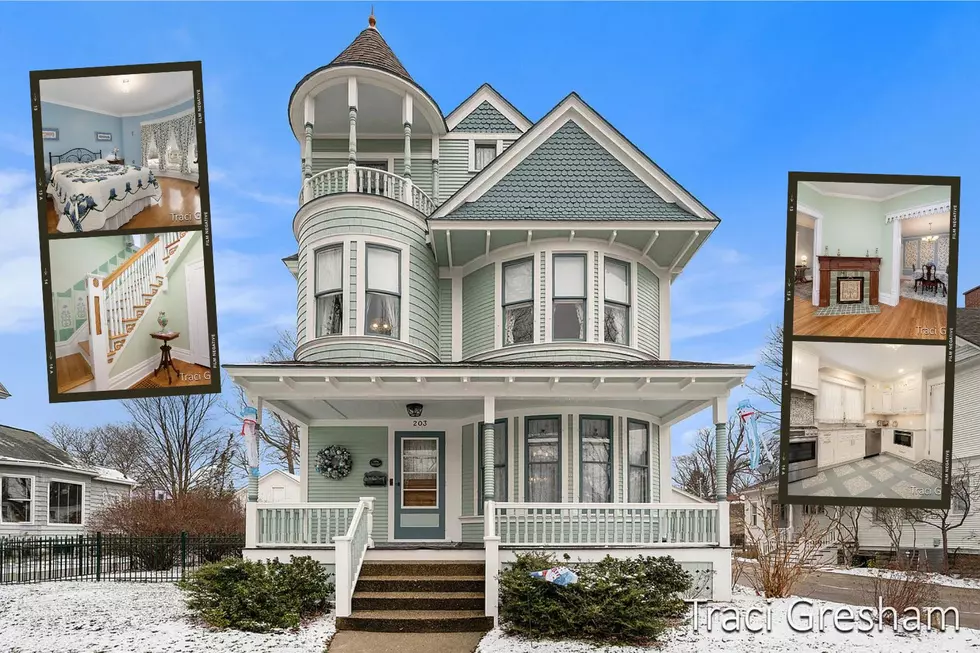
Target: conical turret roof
370,49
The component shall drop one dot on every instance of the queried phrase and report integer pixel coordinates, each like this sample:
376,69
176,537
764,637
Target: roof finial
371,20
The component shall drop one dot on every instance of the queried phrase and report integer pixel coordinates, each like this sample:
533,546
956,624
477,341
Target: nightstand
117,162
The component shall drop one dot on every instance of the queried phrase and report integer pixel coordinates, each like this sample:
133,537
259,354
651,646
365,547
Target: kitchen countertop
838,427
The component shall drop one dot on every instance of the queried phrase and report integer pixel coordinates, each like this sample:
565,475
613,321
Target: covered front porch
481,462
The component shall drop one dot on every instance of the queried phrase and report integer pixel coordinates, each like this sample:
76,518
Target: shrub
258,596
196,513
903,588
629,601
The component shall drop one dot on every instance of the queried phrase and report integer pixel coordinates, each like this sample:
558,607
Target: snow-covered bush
258,596
615,600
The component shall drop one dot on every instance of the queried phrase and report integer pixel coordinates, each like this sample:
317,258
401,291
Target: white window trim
498,312
84,511
601,300
473,142
33,500
311,250
587,257
405,300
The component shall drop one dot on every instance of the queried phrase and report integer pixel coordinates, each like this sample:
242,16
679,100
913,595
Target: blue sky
726,97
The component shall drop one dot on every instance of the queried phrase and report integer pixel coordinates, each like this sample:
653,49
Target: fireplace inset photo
872,258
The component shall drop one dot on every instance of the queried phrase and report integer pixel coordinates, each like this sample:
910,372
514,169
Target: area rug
803,290
908,292
847,309
146,384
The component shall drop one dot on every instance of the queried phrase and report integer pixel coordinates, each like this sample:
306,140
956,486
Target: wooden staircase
419,597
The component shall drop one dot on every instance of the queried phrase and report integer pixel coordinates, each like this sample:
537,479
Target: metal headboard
74,155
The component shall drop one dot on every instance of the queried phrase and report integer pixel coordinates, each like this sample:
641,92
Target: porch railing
370,181
351,548
300,524
605,524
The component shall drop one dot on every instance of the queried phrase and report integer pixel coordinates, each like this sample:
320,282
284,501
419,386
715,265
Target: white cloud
17,143
20,292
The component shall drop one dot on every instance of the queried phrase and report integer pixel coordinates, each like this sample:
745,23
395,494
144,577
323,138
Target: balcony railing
370,181
301,524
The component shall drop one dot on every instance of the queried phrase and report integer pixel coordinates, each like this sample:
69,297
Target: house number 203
419,422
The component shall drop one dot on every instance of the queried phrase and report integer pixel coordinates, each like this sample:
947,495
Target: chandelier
931,238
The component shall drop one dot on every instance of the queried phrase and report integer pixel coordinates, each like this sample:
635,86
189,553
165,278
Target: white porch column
407,112
352,138
491,550
435,169
488,449
720,409
308,120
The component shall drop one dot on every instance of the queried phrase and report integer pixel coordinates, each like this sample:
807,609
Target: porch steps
418,597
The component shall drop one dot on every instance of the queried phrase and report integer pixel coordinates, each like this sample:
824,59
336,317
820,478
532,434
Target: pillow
63,167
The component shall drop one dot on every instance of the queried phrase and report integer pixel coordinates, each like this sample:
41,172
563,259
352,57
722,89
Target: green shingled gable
570,176
486,119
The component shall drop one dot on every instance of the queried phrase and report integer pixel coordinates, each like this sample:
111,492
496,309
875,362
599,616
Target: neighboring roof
292,257
547,365
968,325
687,494
3,392
571,175
971,290
370,49
292,477
27,447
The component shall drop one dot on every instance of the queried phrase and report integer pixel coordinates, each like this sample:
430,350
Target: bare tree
893,520
119,446
782,563
694,472
181,439
769,373
845,522
964,496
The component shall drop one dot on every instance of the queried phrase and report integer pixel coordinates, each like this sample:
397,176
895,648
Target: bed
91,194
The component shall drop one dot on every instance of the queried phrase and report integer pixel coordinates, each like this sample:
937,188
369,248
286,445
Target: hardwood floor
188,374
72,371
910,320
178,197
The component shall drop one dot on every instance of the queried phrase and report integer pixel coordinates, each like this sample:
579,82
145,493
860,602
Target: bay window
638,455
328,291
499,463
543,459
382,313
596,457
64,503
568,297
617,302
518,302
16,499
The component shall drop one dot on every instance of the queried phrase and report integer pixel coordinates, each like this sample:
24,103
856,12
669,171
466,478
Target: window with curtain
382,313
16,499
329,291
568,297
617,302
499,463
639,461
518,301
483,154
64,503
543,459
596,457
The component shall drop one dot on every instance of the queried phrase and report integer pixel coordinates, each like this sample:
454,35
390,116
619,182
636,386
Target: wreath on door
334,462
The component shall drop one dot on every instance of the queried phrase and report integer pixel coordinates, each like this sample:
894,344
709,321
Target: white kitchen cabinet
839,446
908,396
878,398
887,394
806,370
825,449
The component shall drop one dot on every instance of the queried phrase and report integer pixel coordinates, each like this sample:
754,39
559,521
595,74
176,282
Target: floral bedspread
88,194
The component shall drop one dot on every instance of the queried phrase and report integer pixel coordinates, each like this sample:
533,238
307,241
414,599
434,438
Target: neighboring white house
45,491
483,327
276,486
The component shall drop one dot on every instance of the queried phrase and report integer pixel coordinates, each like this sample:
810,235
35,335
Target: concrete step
418,601
416,621
434,568
420,583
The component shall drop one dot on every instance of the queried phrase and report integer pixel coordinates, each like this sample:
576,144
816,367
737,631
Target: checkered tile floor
882,477
847,309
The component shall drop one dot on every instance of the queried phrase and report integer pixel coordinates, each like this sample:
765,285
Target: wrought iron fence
103,556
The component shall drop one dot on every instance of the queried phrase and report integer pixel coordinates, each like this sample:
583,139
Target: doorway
420,486
197,314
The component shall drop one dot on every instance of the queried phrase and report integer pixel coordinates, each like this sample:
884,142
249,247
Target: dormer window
483,154
518,302
382,314
568,297
329,291
617,302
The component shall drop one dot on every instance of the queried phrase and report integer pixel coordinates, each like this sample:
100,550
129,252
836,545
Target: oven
801,455
903,438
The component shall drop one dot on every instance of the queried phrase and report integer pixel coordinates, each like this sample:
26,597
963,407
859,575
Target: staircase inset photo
130,316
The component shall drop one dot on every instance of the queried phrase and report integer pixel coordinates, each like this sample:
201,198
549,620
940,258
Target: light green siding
469,473
647,311
301,304
333,153
351,293
472,532
478,310
420,289
364,443
454,166
446,319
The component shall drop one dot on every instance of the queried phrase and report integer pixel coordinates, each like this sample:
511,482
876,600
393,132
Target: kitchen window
616,309
64,502
499,463
329,291
596,457
543,459
382,315
568,297
639,461
16,499
518,301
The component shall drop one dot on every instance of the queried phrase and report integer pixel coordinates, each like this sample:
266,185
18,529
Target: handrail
369,181
132,259
350,551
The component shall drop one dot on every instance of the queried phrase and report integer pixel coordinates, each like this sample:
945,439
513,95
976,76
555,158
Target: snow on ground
938,579
76,617
780,639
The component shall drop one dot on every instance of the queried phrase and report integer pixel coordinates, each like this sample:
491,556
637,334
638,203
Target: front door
420,486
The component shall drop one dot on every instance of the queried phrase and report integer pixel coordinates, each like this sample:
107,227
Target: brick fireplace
849,280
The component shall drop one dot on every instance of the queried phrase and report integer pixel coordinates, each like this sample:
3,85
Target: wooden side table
801,273
166,362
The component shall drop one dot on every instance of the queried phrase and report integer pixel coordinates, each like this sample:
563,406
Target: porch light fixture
414,410
931,238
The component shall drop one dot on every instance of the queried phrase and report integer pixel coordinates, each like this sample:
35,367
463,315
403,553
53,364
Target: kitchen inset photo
866,421
872,260
130,313
120,152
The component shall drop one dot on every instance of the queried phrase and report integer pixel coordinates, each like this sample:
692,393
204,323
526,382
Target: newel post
491,547
342,571
98,329
369,515
252,525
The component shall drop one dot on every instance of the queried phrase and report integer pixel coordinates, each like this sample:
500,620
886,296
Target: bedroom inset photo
130,314
120,151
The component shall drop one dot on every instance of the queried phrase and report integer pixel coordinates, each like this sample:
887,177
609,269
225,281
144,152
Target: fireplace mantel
828,264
